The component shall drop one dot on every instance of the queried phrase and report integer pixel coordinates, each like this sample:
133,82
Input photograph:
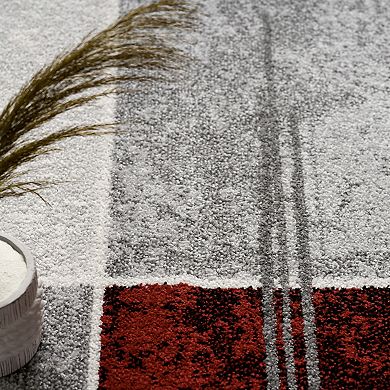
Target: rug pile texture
237,236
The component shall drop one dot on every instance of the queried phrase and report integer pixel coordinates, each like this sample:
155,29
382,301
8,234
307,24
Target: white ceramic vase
21,315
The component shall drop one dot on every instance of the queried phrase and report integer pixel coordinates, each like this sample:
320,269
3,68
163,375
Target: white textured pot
21,315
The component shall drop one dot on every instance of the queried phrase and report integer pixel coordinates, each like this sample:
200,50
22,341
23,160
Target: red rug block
186,337
353,338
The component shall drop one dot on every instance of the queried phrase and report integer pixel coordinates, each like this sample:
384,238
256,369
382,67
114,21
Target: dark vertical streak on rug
270,197
273,165
266,127
282,271
278,205
303,253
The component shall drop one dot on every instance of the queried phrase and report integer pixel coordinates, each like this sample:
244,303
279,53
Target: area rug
236,236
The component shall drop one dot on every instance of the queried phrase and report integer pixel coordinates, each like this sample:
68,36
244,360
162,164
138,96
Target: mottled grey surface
198,184
186,187
61,362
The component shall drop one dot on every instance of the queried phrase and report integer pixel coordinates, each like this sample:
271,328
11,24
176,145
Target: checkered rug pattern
237,235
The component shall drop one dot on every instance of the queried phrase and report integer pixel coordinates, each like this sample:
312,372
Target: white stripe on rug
68,240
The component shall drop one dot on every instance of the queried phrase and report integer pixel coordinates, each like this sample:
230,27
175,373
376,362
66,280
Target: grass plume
135,49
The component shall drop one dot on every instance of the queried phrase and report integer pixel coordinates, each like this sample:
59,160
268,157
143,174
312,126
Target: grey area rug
244,215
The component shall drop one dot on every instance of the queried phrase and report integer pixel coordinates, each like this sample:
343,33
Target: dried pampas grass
136,43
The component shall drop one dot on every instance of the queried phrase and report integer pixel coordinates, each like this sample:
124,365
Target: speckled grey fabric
62,358
286,108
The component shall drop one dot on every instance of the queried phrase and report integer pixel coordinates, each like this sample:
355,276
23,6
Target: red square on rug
182,337
353,337
186,337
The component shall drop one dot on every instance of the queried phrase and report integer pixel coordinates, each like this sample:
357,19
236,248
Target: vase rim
19,247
